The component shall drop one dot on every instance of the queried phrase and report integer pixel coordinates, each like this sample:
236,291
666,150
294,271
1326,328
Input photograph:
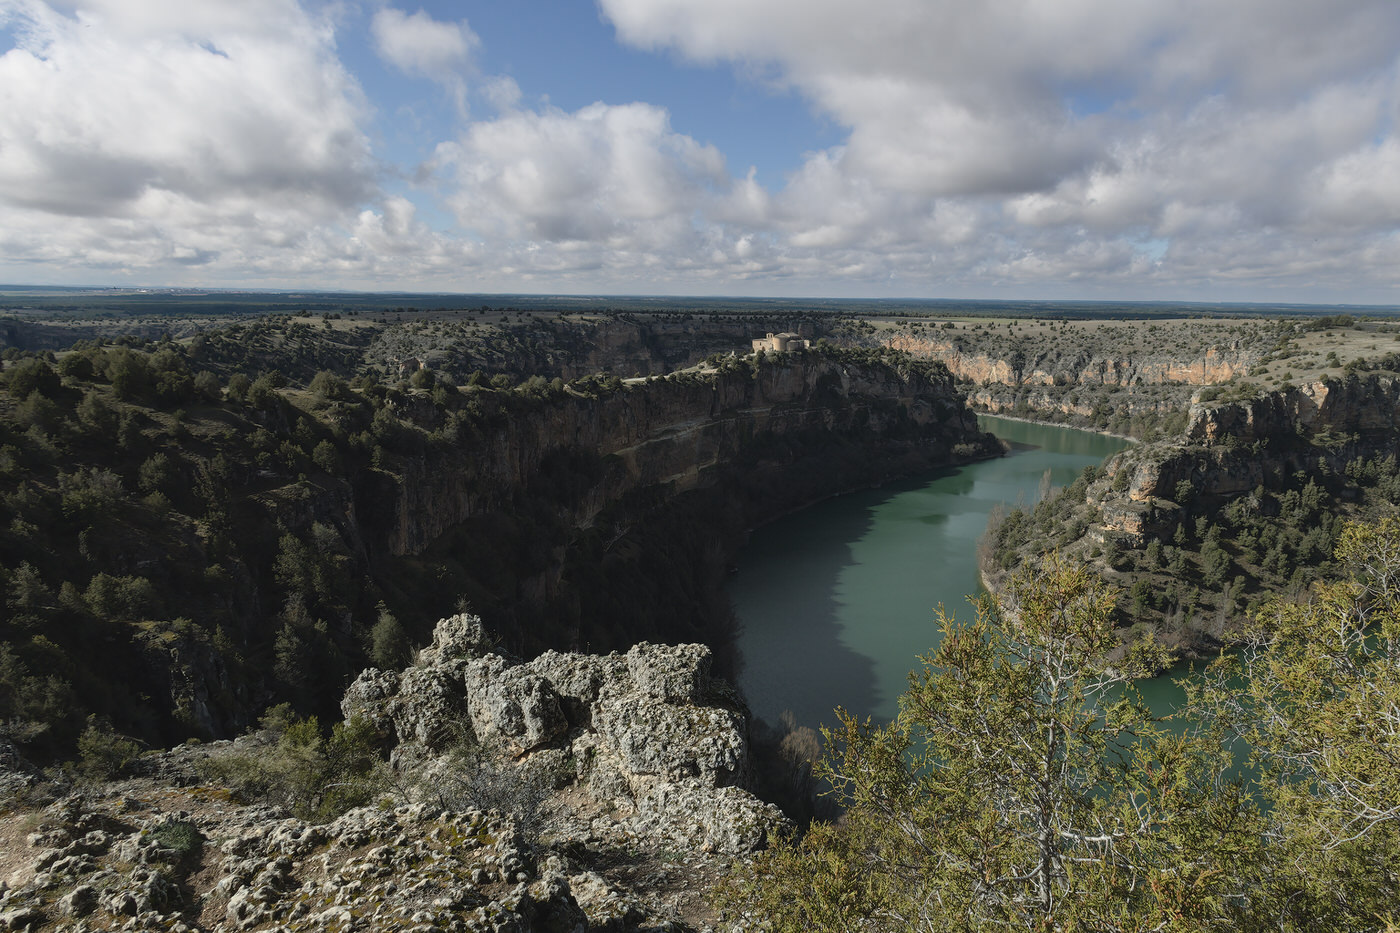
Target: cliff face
1233,447
1204,367
678,432
570,520
1366,406
1053,401
600,522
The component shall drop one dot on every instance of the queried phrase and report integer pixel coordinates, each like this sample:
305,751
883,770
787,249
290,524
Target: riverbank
1051,424
835,602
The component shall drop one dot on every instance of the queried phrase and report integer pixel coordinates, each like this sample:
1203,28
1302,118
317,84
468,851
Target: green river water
836,601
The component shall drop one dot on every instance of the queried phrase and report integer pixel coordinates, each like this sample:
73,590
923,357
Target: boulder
460,636
675,673
512,704
369,697
704,743
430,709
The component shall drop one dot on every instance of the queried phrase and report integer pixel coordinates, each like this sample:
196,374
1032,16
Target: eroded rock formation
1235,446
646,755
649,734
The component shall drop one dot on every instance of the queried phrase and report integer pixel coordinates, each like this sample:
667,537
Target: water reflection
836,602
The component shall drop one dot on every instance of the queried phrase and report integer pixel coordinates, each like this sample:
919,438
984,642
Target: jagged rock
578,680
430,708
644,741
725,820
369,695
678,673
20,918
459,636
548,906
606,908
79,902
674,742
512,703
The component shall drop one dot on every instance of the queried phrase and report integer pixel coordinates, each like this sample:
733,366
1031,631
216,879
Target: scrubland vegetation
178,558
1025,784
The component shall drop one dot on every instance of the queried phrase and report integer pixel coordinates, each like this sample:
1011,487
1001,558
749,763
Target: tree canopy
1026,785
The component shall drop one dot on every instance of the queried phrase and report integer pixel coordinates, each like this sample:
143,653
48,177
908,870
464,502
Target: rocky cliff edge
641,811
647,734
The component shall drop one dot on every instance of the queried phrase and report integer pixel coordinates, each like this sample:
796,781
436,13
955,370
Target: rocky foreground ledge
621,782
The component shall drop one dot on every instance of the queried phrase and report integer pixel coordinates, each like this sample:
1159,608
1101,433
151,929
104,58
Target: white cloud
606,174
189,118
418,44
1042,140
1028,146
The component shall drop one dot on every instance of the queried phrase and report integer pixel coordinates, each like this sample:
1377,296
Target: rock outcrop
1232,447
648,734
639,761
1205,366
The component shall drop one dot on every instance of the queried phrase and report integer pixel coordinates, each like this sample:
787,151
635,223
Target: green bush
315,776
104,753
32,375
180,840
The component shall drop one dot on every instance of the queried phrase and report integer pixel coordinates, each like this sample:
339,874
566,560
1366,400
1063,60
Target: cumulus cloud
1048,139
205,120
418,44
606,174
1007,146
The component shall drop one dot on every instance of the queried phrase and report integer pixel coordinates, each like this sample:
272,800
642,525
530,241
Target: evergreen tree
390,649
1024,785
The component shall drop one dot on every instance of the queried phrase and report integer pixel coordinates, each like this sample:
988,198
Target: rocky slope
1247,503
1131,378
1234,447
646,753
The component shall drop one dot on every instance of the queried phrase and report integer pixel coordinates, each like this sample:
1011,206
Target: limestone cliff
599,521
1050,366
1233,447
1127,378
679,432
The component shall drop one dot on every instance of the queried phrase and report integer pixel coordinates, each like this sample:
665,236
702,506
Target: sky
1209,150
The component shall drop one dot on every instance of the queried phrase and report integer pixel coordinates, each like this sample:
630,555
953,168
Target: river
836,601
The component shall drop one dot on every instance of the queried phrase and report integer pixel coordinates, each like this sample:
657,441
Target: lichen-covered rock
724,820
459,636
677,673
578,679
512,704
369,696
674,742
79,902
430,709
21,918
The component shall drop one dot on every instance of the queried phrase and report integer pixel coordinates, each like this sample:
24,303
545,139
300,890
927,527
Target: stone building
780,342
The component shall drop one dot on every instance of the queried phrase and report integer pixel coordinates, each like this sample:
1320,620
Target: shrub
104,753
180,840
316,777
32,375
